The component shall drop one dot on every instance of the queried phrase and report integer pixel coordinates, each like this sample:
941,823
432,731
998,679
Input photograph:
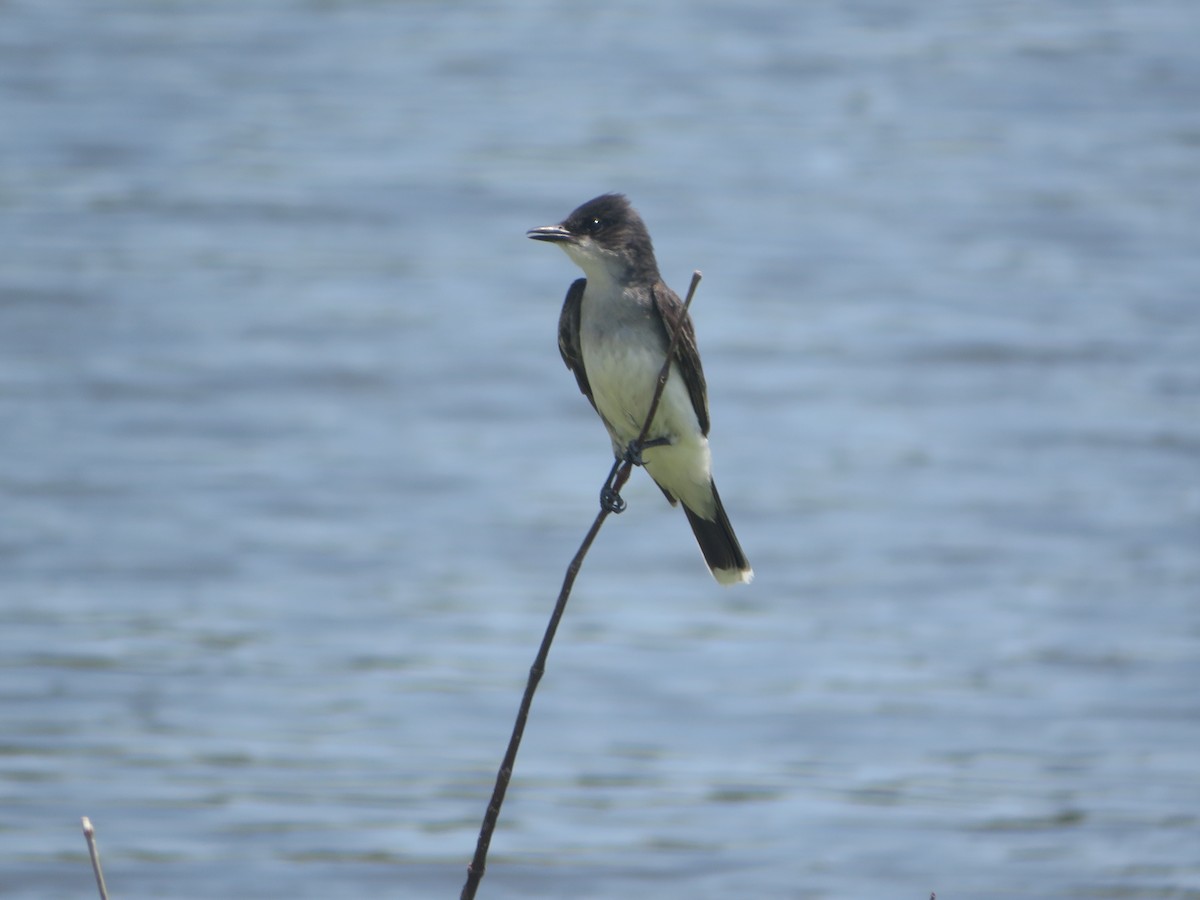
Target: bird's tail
719,544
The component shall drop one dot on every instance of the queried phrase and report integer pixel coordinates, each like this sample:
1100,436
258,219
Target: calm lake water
291,470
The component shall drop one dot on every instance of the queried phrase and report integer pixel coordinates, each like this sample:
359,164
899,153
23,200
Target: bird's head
606,238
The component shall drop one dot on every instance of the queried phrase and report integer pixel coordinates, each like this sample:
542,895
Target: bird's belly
622,379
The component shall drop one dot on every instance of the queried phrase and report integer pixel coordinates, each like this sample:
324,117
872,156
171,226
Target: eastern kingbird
614,332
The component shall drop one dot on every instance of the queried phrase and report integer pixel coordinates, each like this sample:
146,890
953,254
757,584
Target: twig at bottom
479,863
90,833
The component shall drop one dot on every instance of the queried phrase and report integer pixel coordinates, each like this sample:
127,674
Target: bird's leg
633,450
610,497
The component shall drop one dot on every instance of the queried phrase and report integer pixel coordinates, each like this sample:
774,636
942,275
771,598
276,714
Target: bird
614,333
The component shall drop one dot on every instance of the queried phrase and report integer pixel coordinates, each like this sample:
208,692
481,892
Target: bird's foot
610,498
611,501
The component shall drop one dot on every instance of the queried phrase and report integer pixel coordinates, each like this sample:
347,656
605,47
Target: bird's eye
594,224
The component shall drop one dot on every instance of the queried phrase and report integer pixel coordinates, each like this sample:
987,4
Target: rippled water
291,470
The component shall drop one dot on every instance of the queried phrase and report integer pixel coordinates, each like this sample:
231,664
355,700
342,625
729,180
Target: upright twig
479,862
90,833
665,372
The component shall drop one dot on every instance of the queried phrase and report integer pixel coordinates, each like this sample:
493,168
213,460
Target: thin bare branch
479,862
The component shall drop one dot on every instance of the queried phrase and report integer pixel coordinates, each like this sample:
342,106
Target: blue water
291,470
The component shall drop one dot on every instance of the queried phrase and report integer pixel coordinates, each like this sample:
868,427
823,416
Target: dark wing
568,336
687,357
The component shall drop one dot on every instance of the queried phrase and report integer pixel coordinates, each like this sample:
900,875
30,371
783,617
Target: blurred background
290,468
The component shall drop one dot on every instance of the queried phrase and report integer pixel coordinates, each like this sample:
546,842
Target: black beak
554,233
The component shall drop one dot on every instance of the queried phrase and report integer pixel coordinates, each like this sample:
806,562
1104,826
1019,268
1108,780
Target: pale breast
623,352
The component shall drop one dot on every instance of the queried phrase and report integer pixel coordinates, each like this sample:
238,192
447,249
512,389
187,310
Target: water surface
290,468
